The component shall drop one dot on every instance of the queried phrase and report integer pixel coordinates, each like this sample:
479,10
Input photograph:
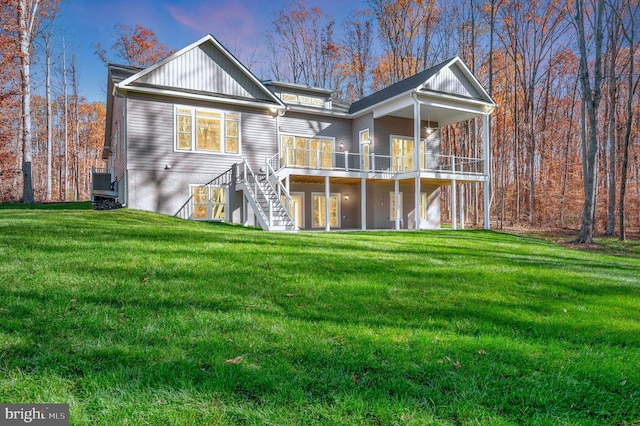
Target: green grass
132,317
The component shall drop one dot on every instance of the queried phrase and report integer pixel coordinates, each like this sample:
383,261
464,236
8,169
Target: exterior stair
265,200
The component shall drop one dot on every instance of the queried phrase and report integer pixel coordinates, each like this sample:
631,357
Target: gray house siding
379,206
204,69
349,209
116,162
388,126
309,125
359,124
159,177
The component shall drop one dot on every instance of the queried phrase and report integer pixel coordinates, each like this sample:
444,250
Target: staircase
265,197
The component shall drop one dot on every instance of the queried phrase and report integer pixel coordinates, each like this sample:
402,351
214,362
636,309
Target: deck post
327,195
486,148
397,206
363,203
461,206
416,161
454,207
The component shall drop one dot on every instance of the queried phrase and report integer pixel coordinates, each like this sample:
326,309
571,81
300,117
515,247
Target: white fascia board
393,105
382,103
182,95
318,111
443,100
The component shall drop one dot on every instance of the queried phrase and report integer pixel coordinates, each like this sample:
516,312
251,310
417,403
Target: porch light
167,166
341,146
428,130
346,197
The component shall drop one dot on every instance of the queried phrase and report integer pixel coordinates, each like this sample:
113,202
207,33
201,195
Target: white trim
210,202
339,212
467,72
197,97
399,207
302,219
404,138
294,135
223,130
361,149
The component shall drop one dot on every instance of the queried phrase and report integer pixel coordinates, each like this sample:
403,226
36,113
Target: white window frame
313,210
405,138
210,202
392,211
307,137
302,196
223,130
365,163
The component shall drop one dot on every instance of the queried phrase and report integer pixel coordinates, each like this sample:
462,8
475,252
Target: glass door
319,211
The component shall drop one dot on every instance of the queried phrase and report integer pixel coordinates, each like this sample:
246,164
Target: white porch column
486,150
461,206
327,202
417,202
416,155
363,203
454,207
397,206
287,183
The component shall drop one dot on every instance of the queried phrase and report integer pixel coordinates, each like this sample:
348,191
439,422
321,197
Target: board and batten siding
150,124
204,68
452,80
315,125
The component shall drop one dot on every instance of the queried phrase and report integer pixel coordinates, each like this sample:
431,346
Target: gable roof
425,81
213,73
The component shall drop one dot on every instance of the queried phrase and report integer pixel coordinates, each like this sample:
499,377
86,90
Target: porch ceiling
443,116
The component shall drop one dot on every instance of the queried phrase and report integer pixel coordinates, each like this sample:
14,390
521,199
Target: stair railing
289,204
225,178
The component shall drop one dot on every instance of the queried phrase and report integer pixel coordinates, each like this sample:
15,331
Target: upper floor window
205,130
315,101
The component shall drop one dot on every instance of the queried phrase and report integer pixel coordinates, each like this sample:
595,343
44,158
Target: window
423,206
365,148
392,205
296,211
319,211
209,202
315,101
314,153
204,130
402,154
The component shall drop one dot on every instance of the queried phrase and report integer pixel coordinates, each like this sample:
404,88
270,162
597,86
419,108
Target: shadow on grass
124,305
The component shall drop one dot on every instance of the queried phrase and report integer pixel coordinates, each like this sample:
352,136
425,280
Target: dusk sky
239,24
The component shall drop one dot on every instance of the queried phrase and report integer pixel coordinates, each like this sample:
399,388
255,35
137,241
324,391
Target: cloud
229,19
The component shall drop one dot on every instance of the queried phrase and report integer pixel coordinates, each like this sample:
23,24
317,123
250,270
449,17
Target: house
197,135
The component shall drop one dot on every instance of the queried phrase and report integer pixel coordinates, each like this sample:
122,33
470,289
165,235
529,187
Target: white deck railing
311,159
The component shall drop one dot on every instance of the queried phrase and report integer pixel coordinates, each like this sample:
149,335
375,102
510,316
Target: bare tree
591,85
629,31
357,44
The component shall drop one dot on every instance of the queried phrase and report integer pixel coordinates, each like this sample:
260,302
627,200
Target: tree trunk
631,88
612,99
591,102
25,82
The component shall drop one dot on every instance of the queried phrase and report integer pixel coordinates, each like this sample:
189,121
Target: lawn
136,318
